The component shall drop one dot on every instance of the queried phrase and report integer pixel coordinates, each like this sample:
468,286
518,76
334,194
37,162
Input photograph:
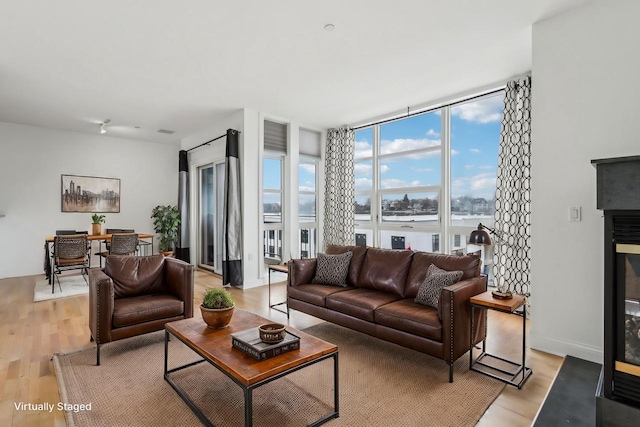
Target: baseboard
564,348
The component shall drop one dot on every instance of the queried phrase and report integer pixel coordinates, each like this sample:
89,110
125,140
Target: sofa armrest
456,317
179,281
301,271
101,296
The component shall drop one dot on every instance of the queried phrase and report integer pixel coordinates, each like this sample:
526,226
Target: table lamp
480,236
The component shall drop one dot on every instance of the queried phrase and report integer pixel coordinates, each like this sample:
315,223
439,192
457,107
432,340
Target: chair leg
97,354
91,339
451,372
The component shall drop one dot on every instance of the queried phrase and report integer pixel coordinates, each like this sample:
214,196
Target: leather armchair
137,295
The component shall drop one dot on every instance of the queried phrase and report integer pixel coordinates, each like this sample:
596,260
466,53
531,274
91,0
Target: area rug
71,285
380,384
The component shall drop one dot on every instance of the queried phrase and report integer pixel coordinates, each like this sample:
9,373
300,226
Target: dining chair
70,252
107,243
121,244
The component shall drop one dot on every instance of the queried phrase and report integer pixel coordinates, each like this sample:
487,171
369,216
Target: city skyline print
90,194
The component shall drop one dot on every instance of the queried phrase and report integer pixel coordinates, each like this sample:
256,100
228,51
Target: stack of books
250,343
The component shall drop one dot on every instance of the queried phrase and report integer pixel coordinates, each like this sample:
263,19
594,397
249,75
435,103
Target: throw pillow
431,287
332,269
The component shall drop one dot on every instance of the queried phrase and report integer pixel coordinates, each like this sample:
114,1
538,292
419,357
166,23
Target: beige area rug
71,285
381,384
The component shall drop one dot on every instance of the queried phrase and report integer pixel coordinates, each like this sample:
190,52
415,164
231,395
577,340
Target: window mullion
445,194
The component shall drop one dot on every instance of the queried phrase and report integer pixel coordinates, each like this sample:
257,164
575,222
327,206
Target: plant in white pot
166,222
217,308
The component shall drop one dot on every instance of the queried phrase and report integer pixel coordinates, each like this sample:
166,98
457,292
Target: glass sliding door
211,193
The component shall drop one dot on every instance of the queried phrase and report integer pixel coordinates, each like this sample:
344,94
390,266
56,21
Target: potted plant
217,308
96,224
166,222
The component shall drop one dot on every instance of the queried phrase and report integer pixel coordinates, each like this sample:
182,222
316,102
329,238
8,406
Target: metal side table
281,269
520,372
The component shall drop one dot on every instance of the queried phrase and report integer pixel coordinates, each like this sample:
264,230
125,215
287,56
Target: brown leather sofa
379,299
137,295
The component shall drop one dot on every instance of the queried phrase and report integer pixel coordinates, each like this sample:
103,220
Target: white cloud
362,169
308,168
306,188
433,133
384,168
363,183
454,152
397,183
479,185
363,149
488,110
405,144
421,170
468,167
474,150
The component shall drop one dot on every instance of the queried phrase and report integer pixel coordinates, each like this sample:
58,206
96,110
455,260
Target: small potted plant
217,308
96,224
166,222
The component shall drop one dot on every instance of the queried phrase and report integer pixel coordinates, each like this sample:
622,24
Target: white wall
585,106
32,159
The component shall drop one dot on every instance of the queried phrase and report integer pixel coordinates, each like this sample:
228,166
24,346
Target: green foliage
97,219
217,298
166,222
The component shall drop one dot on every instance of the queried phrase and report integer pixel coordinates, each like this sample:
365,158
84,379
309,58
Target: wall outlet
575,214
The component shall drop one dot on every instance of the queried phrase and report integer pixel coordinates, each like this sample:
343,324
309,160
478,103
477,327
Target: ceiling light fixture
329,27
103,126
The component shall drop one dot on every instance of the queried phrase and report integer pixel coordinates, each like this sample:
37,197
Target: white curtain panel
512,248
339,188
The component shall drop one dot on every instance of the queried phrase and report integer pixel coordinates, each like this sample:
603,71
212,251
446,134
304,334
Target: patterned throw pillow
332,269
431,287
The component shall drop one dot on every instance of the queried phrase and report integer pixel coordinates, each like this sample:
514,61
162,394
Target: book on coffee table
250,343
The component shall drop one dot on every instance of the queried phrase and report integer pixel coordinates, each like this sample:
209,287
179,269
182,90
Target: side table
281,269
520,373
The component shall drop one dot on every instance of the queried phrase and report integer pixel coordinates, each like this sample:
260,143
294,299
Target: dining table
102,238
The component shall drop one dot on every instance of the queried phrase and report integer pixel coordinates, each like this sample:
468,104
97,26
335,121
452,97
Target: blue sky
475,133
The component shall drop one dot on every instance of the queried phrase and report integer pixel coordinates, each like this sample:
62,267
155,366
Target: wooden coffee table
214,346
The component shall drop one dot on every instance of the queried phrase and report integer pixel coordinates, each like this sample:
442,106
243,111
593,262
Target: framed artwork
90,194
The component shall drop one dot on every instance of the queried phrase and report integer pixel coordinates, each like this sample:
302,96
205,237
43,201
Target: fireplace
618,195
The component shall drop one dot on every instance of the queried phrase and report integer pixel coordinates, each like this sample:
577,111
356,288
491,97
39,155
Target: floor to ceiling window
424,182
307,206
272,198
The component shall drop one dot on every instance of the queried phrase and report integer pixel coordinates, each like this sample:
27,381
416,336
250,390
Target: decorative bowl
272,332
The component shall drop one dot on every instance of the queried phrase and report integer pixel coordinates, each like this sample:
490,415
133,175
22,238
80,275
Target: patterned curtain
339,188
512,247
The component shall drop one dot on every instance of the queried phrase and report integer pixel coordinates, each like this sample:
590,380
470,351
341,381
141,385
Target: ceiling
166,64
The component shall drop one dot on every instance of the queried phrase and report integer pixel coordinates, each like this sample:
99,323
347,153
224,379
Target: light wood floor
30,333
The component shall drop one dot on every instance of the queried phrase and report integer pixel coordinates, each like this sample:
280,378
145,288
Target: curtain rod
209,142
429,109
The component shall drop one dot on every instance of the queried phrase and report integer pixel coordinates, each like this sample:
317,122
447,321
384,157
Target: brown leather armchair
137,295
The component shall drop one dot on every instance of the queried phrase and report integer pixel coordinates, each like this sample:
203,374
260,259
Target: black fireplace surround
618,195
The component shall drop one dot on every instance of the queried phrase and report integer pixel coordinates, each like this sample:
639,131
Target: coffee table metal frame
247,389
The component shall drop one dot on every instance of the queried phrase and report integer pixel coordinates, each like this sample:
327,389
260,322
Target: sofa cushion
405,315
145,308
332,269
134,275
385,270
468,264
431,287
314,294
356,260
360,303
